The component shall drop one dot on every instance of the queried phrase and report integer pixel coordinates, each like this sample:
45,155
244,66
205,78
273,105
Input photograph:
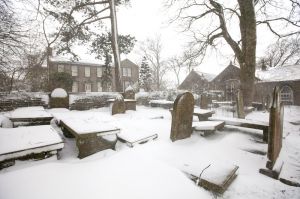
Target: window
87,71
74,71
99,87
126,72
88,87
286,95
75,87
99,72
60,68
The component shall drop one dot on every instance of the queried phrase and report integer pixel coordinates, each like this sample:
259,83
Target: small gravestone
204,101
59,98
129,93
182,116
118,105
275,134
240,105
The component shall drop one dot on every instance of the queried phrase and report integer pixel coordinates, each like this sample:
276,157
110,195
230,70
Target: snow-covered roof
91,62
284,73
207,76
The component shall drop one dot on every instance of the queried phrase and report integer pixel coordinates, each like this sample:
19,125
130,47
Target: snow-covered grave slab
208,127
161,103
35,115
215,177
92,135
28,142
136,136
264,126
203,114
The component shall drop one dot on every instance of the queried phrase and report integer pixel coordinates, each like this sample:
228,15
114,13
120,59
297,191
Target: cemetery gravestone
118,105
204,102
129,93
182,116
59,98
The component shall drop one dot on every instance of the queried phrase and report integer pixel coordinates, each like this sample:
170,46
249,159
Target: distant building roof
66,60
284,73
206,76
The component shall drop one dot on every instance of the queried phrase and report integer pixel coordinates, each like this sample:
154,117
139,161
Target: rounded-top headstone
59,98
59,93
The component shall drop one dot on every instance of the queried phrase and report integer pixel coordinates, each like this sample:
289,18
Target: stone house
288,80
87,75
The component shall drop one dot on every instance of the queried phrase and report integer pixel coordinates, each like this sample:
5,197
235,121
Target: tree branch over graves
215,22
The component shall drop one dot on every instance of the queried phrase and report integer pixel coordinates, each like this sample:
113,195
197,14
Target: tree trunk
115,45
248,54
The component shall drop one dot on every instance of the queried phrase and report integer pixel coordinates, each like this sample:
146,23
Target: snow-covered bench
264,126
92,135
35,115
28,142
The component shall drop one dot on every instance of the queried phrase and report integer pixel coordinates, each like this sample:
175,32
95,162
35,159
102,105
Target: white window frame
88,87
74,70
87,71
99,72
60,68
126,71
75,88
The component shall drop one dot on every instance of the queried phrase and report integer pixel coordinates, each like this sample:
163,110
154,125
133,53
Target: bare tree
283,52
176,64
152,50
213,22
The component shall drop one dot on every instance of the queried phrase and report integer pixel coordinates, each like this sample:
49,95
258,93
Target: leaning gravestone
204,101
275,134
118,105
182,116
59,98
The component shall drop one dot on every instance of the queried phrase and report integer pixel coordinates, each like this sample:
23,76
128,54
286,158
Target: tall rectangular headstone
204,101
182,116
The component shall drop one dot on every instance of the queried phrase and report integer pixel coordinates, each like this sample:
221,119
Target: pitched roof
206,76
127,62
225,69
65,60
284,73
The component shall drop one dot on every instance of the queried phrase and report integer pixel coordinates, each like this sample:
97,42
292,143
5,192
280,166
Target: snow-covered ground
155,169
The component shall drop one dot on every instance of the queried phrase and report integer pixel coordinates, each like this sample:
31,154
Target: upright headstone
240,105
129,93
204,101
118,105
182,116
276,128
275,135
59,98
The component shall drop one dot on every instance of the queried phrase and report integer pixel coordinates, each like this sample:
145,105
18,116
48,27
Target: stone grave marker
118,106
59,98
204,101
275,134
182,116
129,93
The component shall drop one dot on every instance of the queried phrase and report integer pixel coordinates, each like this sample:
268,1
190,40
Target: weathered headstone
240,105
182,116
129,93
118,105
59,98
275,134
204,101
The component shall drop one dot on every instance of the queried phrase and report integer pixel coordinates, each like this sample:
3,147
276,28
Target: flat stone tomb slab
23,141
91,134
245,123
134,137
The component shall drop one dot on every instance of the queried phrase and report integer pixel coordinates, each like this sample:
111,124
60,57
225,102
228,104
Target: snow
29,112
14,140
155,169
206,125
59,93
202,111
161,102
129,88
209,77
284,73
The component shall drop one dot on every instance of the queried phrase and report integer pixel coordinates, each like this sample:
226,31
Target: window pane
88,87
129,72
87,71
99,72
60,68
75,87
99,86
74,71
